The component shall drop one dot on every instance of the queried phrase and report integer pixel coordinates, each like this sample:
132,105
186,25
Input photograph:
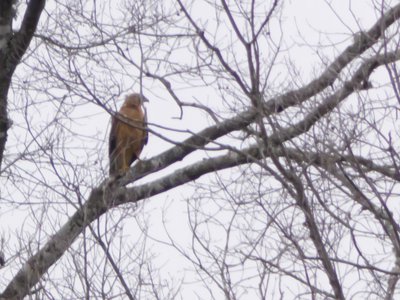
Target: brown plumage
127,137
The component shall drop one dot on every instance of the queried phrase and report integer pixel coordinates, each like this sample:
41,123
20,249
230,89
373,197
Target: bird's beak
145,100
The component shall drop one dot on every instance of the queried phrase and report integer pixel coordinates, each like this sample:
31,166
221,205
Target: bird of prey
128,134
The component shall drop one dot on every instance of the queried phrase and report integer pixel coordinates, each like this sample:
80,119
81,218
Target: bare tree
302,164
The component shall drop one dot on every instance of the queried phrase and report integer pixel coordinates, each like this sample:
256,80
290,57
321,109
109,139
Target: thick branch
5,34
23,37
12,48
362,42
328,104
191,144
5,23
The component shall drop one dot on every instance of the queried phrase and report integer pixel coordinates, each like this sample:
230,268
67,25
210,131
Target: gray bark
13,46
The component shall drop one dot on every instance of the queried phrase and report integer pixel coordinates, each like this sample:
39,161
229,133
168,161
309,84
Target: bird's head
134,100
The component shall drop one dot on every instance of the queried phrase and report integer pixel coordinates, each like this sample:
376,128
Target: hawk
128,134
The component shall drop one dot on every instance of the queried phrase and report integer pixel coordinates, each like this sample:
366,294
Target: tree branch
362,42
23,37
12,48
5,78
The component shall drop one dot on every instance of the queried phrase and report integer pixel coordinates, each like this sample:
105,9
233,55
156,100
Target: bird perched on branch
128,134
